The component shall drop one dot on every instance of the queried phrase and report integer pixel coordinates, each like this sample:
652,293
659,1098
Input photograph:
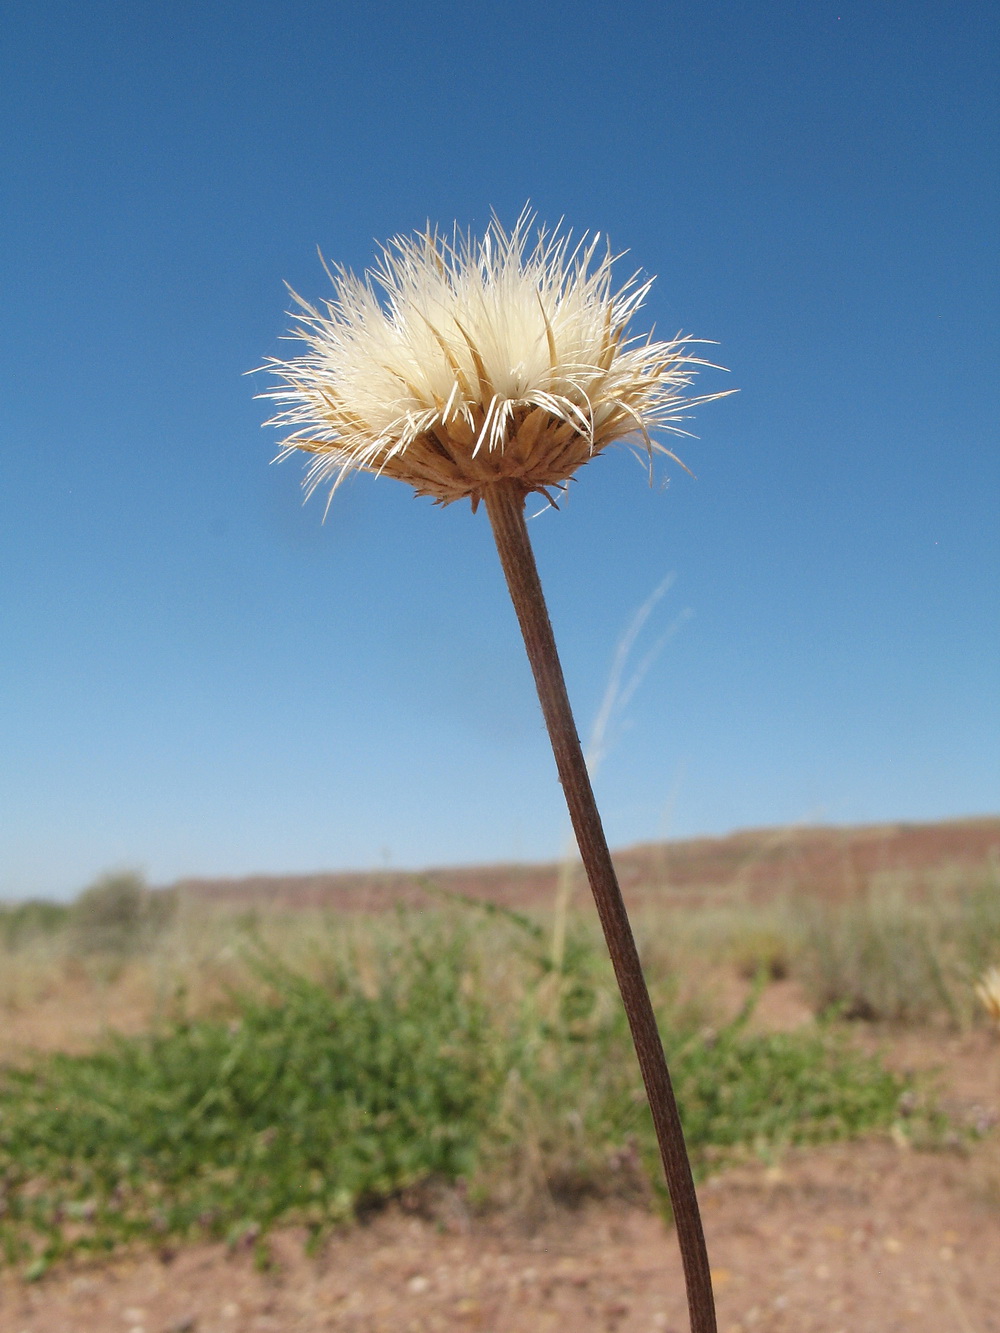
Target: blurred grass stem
504,502
615,698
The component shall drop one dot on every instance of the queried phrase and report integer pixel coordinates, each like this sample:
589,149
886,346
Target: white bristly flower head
988,993
456,363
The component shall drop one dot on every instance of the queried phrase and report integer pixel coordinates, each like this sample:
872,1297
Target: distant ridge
754,864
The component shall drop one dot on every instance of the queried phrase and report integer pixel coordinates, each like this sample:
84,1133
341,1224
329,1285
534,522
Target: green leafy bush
305,1105
446,1048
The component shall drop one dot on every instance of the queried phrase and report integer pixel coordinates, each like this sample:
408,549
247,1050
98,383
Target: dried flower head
988,993
488,369
456,363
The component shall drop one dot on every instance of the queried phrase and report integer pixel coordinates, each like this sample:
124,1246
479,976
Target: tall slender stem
504,501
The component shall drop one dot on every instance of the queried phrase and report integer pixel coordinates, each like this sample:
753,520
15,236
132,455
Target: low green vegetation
296,1066
386,1054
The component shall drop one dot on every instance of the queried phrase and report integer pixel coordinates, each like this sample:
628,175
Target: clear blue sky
198,676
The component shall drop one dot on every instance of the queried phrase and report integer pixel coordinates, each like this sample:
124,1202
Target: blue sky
199,676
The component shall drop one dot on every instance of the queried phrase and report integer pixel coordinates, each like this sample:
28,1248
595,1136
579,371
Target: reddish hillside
754,864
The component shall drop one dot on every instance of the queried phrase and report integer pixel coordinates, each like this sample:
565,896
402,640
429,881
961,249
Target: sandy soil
857,1238
860,1239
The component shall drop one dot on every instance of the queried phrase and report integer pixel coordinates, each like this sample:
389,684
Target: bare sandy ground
863,1238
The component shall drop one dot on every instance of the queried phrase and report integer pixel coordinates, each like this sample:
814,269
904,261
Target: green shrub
304,1106
439,1049
769,1090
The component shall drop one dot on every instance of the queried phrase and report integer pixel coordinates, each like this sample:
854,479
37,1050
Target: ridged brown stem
504,503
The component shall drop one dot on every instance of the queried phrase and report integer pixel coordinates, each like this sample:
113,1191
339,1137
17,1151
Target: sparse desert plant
37,918
905,959
32,953
875,959
763,950
117,915
978,926
495,369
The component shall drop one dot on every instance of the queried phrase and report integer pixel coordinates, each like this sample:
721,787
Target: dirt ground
856,1238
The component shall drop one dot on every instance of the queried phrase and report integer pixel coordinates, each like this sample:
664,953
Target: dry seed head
456,363
988,993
